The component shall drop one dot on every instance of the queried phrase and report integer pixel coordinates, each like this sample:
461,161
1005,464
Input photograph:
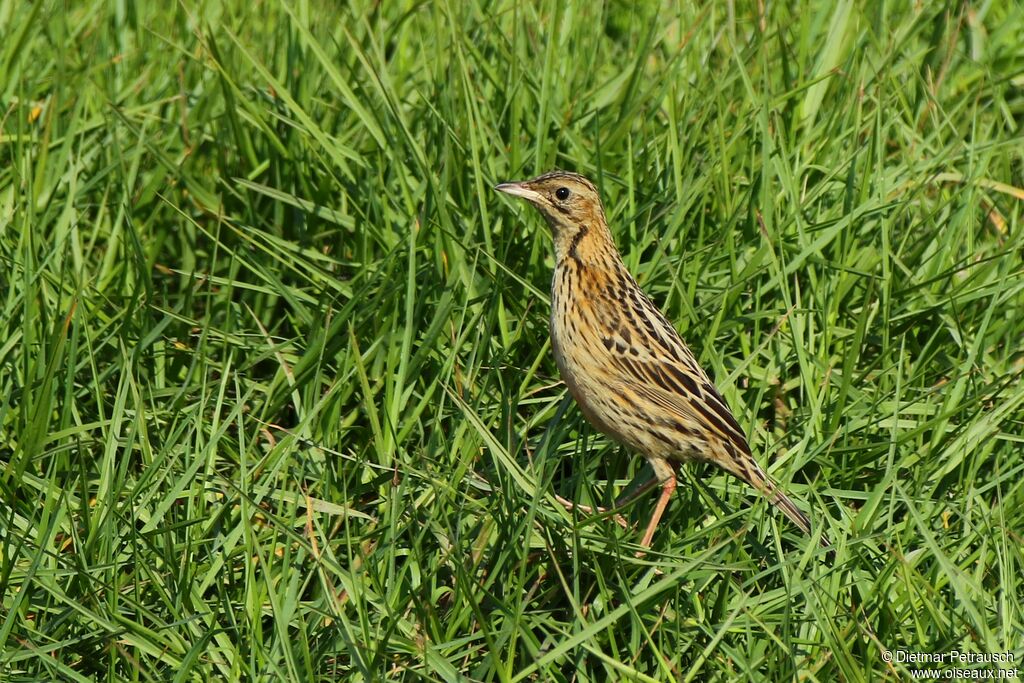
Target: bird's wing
664,372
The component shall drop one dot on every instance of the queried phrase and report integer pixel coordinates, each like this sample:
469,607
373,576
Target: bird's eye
562,193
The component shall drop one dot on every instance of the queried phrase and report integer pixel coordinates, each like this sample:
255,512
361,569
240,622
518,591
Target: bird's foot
588,510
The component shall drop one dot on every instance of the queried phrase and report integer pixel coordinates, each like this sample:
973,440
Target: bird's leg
629,496
665,473
622,502
588,510
666,492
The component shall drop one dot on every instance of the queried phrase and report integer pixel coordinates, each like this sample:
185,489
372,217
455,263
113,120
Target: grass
276,394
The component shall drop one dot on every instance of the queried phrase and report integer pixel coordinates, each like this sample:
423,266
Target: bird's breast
578,322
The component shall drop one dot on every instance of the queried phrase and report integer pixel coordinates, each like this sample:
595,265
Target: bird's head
570,204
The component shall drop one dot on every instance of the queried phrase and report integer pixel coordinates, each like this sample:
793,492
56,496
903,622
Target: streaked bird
628,369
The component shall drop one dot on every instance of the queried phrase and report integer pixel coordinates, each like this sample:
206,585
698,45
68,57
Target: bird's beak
519,190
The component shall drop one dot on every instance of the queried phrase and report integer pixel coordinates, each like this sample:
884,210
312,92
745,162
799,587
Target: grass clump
277,397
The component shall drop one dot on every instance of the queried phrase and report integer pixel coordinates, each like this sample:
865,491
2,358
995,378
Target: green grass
277,400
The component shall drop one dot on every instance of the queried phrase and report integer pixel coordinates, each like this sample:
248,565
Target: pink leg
587,510
620,503
666,492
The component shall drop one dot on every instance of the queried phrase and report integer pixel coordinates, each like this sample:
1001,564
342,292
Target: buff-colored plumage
628,369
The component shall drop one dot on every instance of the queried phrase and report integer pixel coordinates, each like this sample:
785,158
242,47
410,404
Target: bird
626,366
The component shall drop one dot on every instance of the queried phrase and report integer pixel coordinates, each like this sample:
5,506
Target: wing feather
691,399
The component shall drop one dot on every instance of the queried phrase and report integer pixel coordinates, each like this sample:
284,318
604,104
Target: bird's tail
751,472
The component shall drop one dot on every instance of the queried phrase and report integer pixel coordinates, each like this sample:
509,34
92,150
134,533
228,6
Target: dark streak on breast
580,234
680,427
661,437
